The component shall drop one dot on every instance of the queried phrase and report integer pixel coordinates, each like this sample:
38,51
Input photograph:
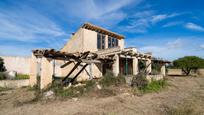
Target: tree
2,67
189,63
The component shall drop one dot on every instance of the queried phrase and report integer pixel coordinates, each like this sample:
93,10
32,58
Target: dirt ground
183,95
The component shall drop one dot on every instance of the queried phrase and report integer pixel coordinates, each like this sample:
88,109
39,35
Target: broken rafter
51,53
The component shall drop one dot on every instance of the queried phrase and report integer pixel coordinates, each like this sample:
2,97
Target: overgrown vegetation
2,76
4,89
139,82
156,68
154,86
189,63
109,79
74,91
90,87
22,76
2,67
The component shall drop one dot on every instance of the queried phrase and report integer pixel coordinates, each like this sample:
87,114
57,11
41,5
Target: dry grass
183,96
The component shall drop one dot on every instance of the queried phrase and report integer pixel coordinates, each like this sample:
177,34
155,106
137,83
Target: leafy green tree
189,63
2,67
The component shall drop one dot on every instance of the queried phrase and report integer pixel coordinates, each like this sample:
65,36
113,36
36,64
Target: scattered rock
98,86
49,94
126,94
10,74
75,99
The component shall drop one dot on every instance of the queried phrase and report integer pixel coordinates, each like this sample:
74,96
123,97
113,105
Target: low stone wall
14,83
155,77
199,72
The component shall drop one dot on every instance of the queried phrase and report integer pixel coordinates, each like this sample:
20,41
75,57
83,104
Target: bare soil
184,95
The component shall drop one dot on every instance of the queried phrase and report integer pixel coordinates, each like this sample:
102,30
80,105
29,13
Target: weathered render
105,44
17,63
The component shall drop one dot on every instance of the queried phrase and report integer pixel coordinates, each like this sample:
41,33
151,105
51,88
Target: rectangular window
116,42
103,41
113,42
109,42
98,41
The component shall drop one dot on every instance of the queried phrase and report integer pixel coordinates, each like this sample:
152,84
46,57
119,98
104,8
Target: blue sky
169,29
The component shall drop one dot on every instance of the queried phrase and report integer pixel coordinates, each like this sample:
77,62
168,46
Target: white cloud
25,24
141,21
160,17
178,43
194,27
172,49
106,13
170,24
202,46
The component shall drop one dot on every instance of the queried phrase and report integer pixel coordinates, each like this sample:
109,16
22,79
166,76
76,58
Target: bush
154,86
4,89
109,79
73,91
189,63
2,76
139,81
22,76
2,67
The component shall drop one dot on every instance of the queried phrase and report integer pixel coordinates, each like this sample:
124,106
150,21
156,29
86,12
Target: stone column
163,70
148,66
116,65
135,65
46,73
33,71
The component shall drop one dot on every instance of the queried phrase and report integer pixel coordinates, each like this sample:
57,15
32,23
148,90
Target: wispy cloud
202,46
142,20
160,17
169,47
106,13
25,24
194,27
170,24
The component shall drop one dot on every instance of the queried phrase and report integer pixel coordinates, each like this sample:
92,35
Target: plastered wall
18,64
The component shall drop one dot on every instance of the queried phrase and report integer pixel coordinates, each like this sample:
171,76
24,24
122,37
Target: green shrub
73,91
90,84
2,76
22,76
120,79
109,79
139,81
154,86
2,67
4,89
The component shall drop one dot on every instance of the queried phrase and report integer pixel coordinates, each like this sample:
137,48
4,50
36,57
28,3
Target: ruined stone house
106,44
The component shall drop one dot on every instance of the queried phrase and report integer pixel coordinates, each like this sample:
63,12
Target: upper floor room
93,38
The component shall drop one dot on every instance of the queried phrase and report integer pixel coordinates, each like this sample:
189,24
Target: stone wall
18,64
14,83
200,72
154,77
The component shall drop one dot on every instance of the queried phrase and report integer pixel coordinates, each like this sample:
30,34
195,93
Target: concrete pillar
163,70
148,66
135,65
116,65
46,73
33,71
